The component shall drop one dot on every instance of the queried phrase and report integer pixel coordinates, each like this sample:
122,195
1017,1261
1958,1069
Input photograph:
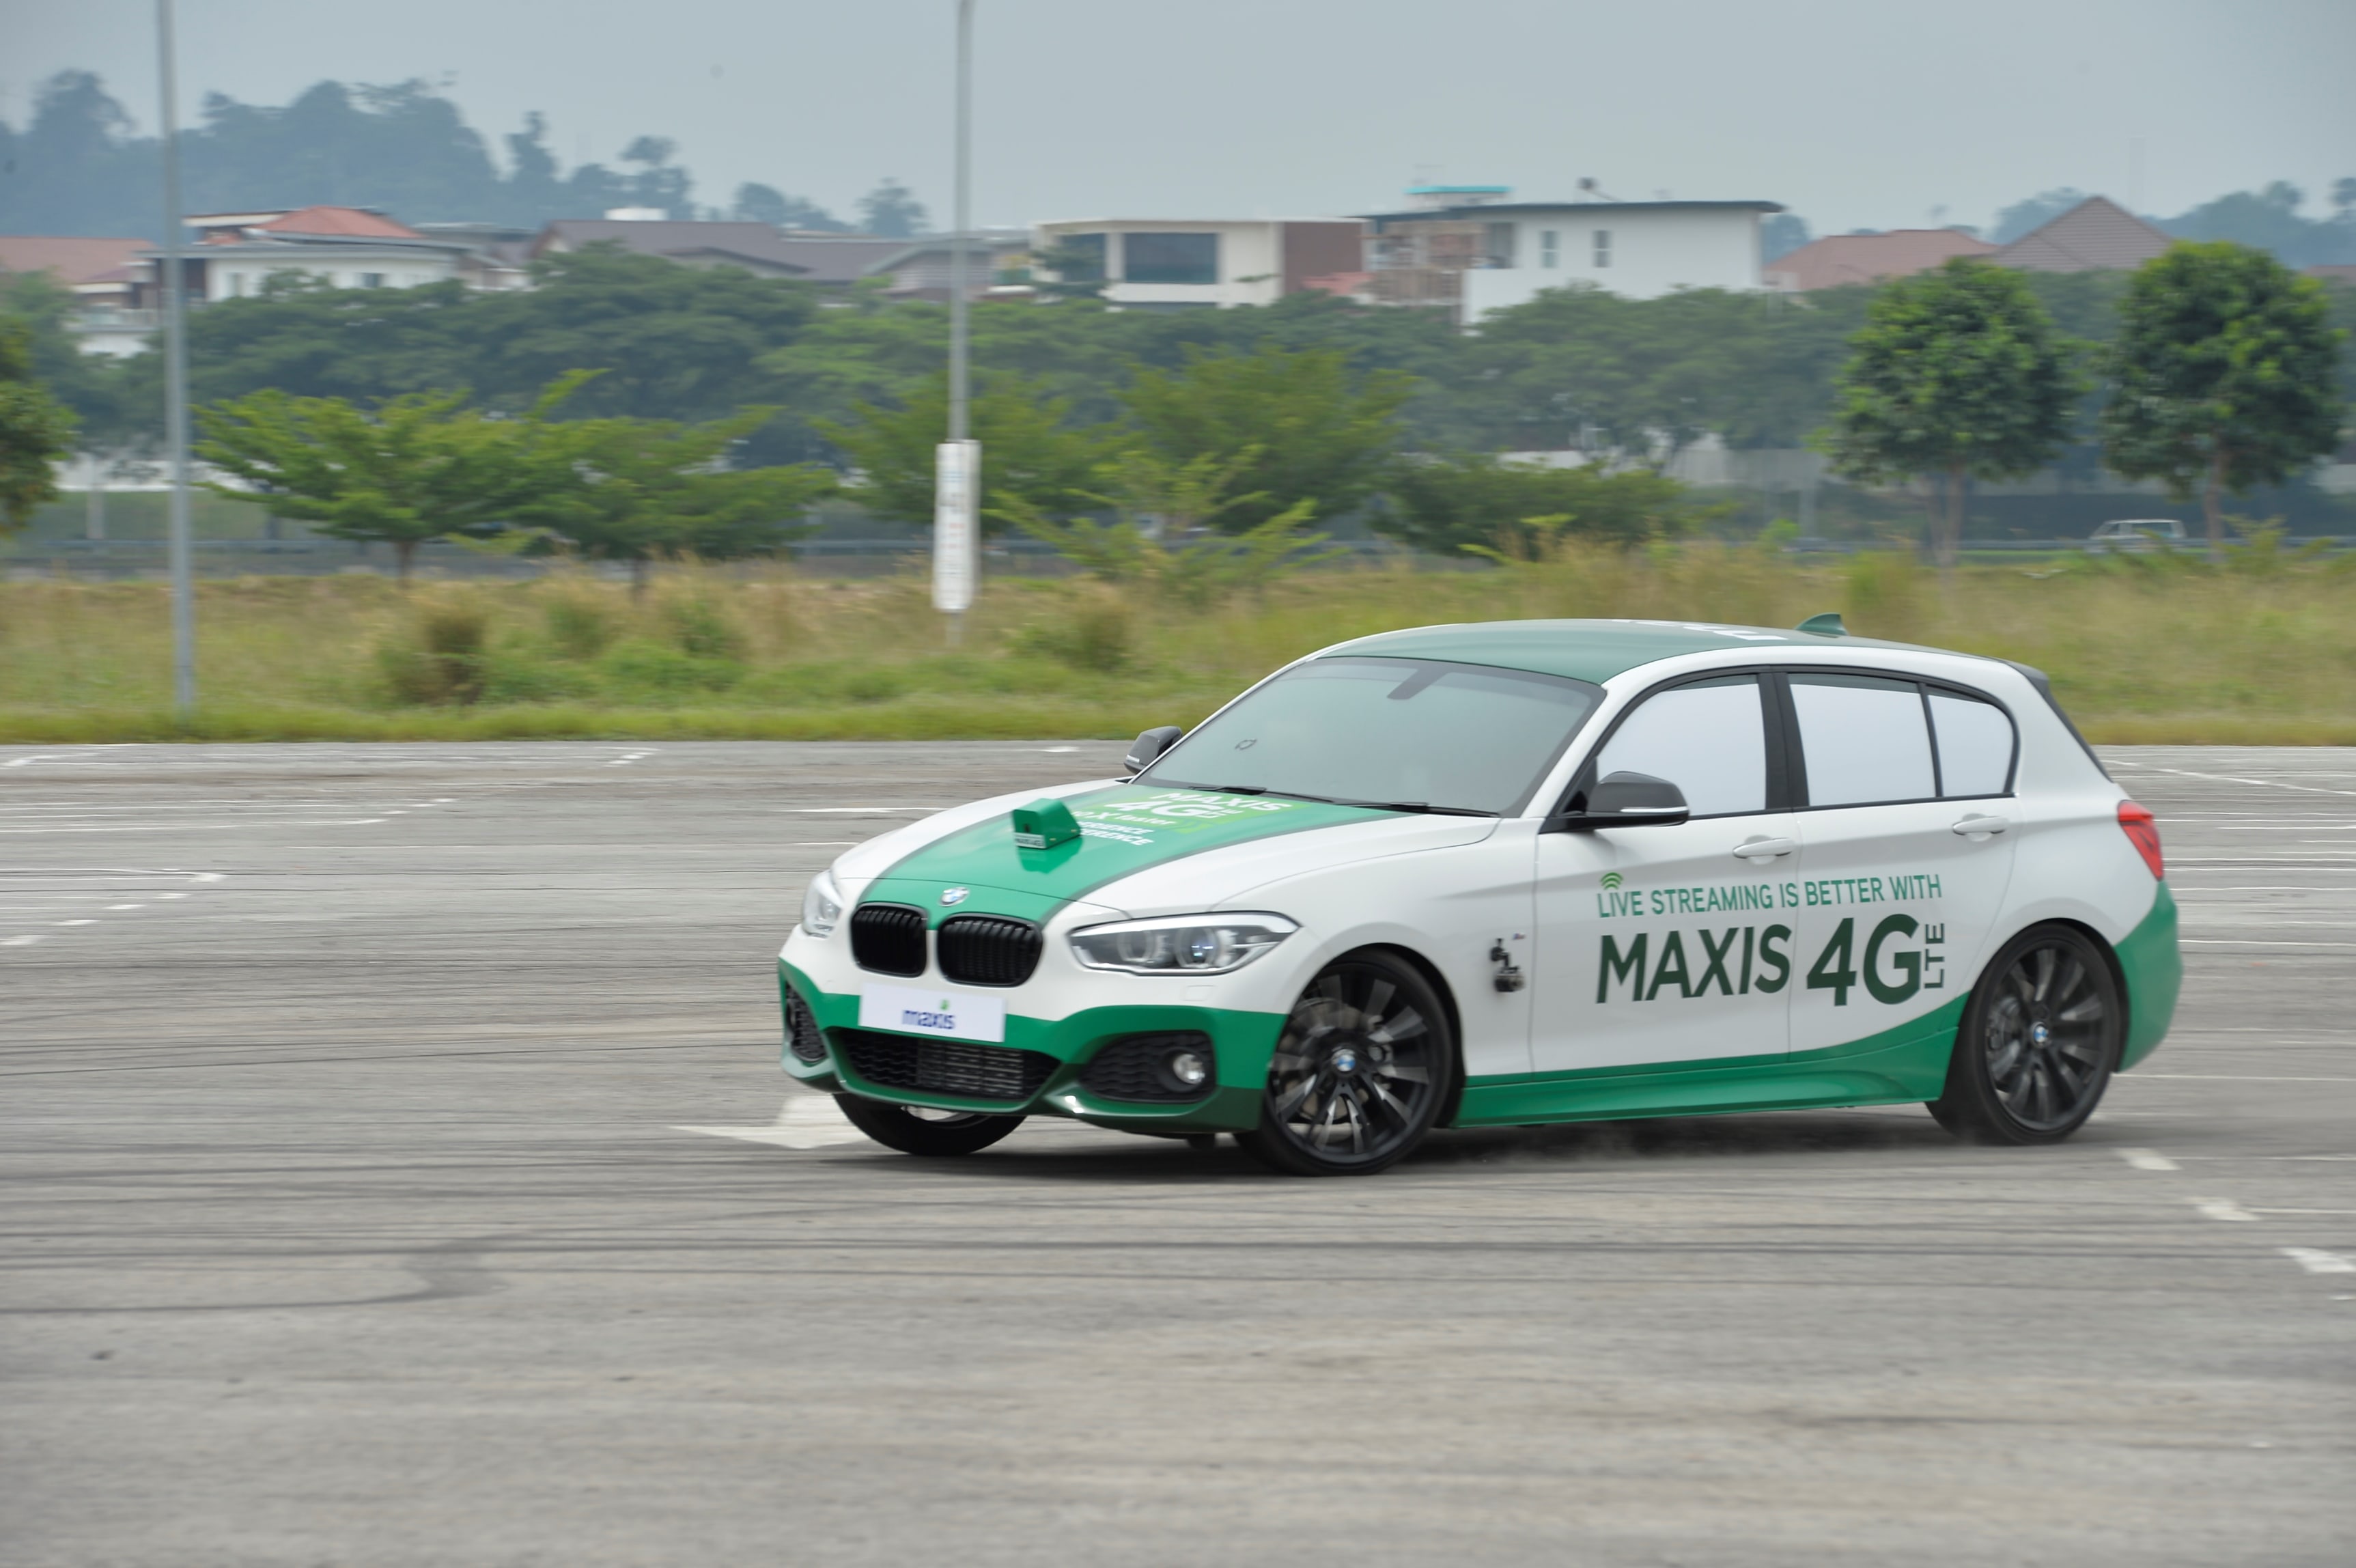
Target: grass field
2259,650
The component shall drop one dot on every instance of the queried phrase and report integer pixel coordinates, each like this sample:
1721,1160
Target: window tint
1864,738
1170,258
1708,739
1974,745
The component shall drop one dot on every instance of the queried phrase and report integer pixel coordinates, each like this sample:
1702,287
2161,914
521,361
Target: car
1509,874
2135,535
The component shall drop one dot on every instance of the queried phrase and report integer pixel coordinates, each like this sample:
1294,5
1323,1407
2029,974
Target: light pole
176,385
956,484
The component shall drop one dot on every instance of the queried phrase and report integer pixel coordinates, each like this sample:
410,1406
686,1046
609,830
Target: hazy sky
1879,113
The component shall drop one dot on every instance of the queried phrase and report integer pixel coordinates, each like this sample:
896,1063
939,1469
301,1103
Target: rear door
1907,851
1666,944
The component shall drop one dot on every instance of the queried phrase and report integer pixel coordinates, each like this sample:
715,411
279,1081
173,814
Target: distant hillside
77,168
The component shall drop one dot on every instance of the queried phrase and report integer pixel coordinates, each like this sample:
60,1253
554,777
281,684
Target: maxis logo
943,1021
1611,880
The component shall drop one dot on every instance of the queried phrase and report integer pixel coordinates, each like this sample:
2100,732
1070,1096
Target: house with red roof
1841,258
345,247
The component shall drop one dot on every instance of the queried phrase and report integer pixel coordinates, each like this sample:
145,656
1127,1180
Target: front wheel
918,1130
1359,1074
2039,1038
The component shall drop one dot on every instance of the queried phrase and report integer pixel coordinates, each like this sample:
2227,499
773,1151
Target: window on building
1603,247
236,285
1170,258
1076,258
1549,247
1499,244
372,280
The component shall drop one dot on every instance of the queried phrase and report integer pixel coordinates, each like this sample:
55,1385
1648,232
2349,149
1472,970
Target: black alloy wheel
1360,1073
921,1130
2039,1041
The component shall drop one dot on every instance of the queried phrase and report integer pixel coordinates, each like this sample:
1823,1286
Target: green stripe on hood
1123,831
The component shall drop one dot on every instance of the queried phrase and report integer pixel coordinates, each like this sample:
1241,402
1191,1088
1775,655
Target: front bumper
1242,1042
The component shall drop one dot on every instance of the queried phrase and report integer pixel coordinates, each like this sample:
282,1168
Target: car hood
1141,850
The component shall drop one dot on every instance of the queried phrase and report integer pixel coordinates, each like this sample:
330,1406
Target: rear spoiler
2044,686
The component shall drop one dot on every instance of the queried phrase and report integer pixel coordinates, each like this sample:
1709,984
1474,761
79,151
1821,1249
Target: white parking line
2146,1159
804,1122
2221,1208
2316,1261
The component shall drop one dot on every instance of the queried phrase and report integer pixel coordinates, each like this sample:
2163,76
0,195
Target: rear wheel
2039,1040
1359,1075
919,1130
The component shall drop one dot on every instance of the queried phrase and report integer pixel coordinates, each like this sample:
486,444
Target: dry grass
2262,650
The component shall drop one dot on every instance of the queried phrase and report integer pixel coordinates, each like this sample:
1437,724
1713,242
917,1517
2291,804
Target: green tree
1958,374
643,490
891,211
420,467
36,430
2224,375
1477,501
1315,432
1031,458
1160,534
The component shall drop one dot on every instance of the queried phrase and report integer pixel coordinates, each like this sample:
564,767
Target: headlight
822,906
1182,944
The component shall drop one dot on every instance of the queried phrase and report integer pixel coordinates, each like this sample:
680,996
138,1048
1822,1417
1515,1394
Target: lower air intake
802,1035
1139,1068
943,1066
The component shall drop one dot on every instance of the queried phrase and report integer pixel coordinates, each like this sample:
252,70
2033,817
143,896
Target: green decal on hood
1123,830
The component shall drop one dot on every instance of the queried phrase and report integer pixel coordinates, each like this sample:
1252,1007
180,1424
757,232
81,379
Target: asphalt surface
398,1172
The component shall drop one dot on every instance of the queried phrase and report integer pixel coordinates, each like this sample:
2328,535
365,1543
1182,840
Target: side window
1706,738
1864,738
1974,745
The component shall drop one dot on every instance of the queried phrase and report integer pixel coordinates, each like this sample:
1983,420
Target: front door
1671,944
1908,849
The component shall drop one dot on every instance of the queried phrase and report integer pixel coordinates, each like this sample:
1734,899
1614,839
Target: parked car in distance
2132,535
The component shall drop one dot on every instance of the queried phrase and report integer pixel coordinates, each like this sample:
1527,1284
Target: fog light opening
1188,1068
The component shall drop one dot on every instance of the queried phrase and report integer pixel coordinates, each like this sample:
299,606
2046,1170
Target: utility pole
175,384
957,493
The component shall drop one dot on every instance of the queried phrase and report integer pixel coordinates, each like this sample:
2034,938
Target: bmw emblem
955,895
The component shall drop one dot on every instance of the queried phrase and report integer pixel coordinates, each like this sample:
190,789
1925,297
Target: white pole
958,477
175,385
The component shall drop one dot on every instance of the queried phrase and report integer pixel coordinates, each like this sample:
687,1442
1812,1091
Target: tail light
2144,833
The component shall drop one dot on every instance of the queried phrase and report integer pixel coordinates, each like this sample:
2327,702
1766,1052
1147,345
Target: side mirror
1627,801
1150,746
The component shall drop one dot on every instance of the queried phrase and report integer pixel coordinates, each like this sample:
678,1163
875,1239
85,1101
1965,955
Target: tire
2040,1038
915,1129
1365,1061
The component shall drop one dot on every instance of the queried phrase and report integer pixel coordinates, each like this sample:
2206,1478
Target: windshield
1392,731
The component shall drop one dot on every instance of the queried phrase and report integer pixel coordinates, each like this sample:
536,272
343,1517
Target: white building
1489,255
1153,264
237,253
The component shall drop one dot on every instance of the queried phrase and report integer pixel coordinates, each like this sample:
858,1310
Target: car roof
1587,650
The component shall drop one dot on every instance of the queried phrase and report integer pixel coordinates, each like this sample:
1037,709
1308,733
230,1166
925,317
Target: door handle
1765,848
1979,828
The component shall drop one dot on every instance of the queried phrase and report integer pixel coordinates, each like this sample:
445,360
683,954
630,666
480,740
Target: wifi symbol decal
1611,880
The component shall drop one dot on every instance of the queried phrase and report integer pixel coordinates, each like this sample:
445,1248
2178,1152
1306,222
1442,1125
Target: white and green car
1506,873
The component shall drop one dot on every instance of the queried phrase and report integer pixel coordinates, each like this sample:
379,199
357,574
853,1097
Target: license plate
951,1015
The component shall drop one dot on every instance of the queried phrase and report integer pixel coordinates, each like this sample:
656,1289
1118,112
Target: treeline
76,166
1389,414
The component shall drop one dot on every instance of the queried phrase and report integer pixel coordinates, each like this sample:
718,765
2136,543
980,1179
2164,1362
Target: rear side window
1708,738
1865,739
1878,739
1975,744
